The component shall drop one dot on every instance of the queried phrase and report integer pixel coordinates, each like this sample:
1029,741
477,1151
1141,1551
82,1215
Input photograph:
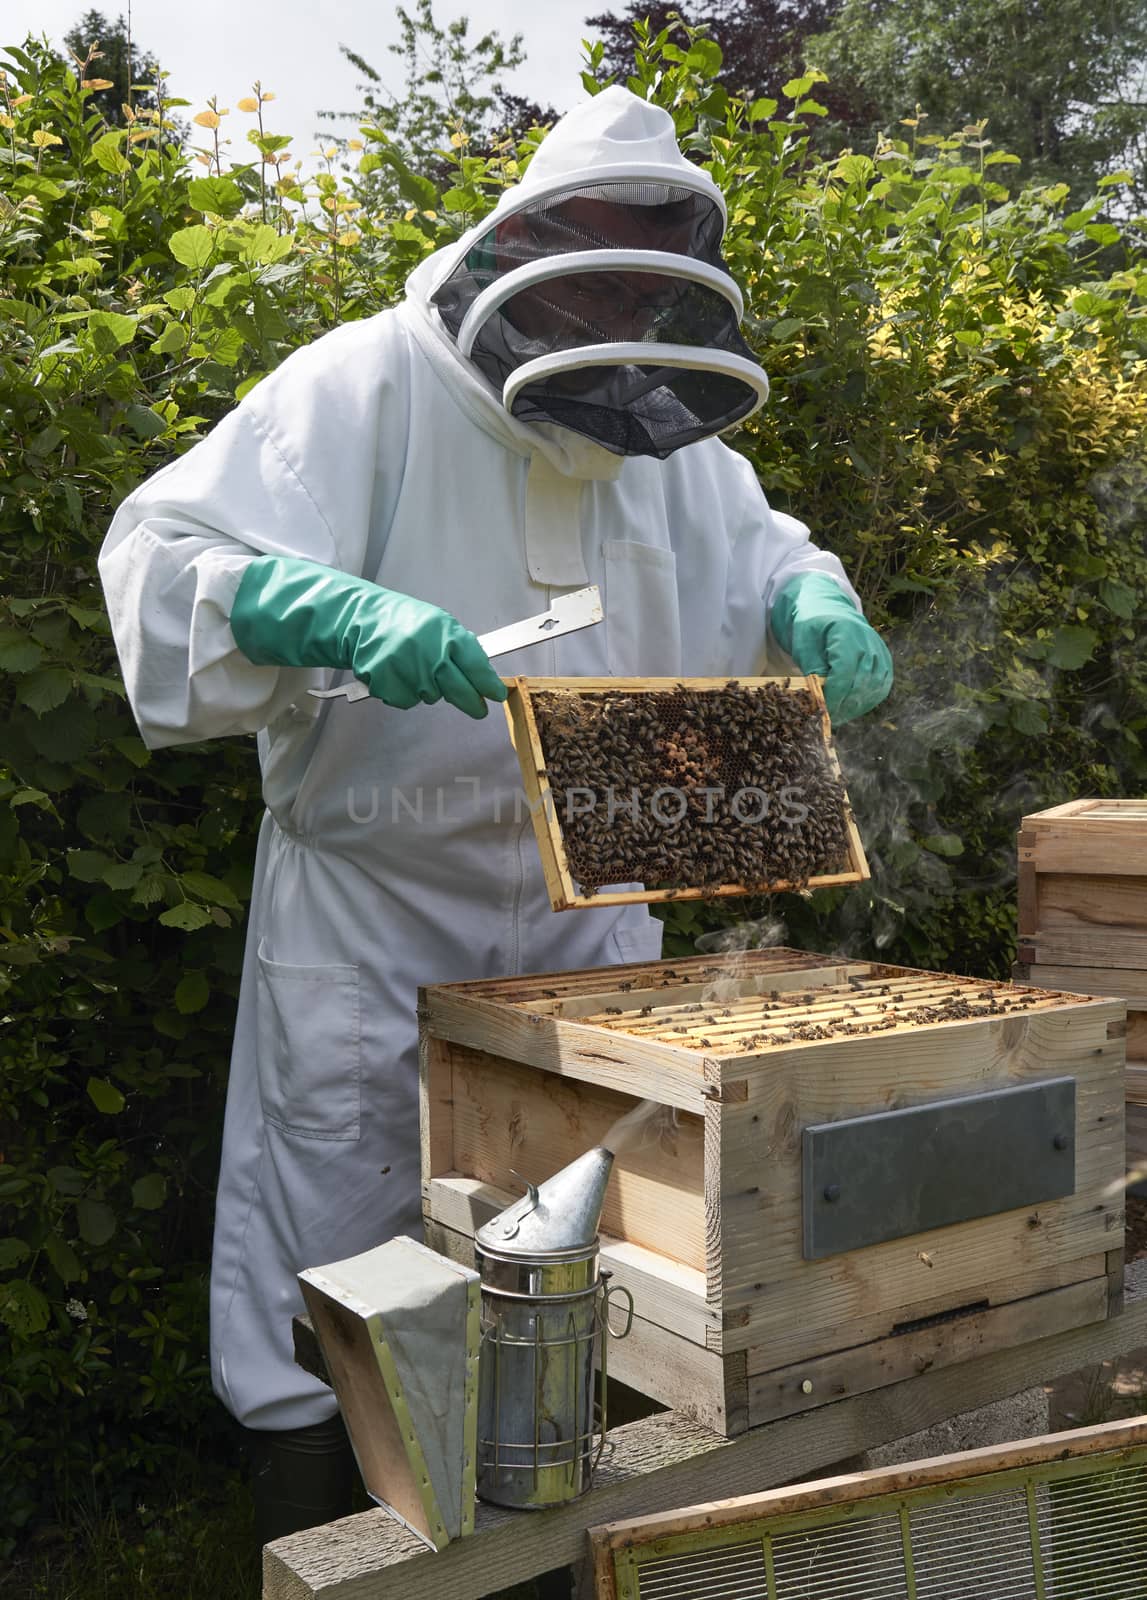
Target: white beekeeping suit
396,849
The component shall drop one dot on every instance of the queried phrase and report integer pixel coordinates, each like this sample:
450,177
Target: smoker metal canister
544,1308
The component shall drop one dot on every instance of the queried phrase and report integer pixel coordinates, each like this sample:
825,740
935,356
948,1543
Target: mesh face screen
693,789
633,410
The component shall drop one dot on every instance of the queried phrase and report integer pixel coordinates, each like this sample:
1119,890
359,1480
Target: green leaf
1117,597
111,329
1071,647
142,420
105,1096
45,689
89,866
149,1192
180,299
107,154
194,246
66,1181
123,875
103,911
174,337
220,196
187,916
18,653
65,1260
704,56
264,244
23,1308
12,1252
944,844
192,992
761,110
96,1221
796,87
213,890
1115,177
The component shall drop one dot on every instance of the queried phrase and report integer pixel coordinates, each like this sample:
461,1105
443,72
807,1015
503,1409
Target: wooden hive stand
1083,924
764,1284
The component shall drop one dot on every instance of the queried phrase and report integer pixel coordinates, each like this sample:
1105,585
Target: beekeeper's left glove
815,622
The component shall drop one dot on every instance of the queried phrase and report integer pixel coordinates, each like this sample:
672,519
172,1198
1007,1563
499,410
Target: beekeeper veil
594,295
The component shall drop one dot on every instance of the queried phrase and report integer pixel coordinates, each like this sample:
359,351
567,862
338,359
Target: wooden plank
543,810
665,1291
1089,844
1137,1082
809,1383
1110,1438
695,1382
435,1104
1130,984
801,1343
509,1118
764,1276
666,1462
528,987
643,1069
1026,895
632,999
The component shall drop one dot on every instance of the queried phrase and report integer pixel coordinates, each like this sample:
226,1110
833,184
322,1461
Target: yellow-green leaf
105,1096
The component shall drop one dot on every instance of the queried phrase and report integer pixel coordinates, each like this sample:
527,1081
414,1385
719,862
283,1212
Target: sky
292,46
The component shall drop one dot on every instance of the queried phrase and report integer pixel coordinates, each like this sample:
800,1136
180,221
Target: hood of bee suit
593,302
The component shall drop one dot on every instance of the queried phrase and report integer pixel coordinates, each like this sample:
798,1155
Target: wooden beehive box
1083,922
687,794
999,1222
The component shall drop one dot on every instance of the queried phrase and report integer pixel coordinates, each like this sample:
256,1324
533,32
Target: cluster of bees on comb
691,788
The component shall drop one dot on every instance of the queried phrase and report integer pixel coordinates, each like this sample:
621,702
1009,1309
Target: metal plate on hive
893,1173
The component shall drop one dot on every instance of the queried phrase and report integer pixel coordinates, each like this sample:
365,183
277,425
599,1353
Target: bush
958,409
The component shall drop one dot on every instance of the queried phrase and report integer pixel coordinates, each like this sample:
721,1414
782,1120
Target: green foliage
1060,84
958,409
452,86
142,290
124,79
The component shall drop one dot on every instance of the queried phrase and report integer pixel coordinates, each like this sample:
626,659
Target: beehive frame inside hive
545,811
1064,1515
705,1225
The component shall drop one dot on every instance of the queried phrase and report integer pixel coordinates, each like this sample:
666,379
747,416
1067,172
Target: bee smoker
545,1315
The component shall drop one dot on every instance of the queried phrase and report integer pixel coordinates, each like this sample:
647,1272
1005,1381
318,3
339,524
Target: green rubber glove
818,625
292,613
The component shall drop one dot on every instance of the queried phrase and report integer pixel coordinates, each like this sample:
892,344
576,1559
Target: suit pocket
643,638
310,1048
640,943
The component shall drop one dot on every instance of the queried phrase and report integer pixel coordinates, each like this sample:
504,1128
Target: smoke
649,1123
733,944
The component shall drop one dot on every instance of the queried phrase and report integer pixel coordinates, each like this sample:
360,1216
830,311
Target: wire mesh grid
1063,1530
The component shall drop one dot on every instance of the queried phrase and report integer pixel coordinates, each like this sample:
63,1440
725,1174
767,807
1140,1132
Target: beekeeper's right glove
294,613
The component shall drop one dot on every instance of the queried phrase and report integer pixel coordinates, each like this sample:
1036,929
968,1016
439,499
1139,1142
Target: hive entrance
691,787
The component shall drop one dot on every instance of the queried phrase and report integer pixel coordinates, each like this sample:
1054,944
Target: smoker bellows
870,1170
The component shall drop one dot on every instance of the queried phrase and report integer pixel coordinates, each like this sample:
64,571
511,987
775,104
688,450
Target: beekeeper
539,414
